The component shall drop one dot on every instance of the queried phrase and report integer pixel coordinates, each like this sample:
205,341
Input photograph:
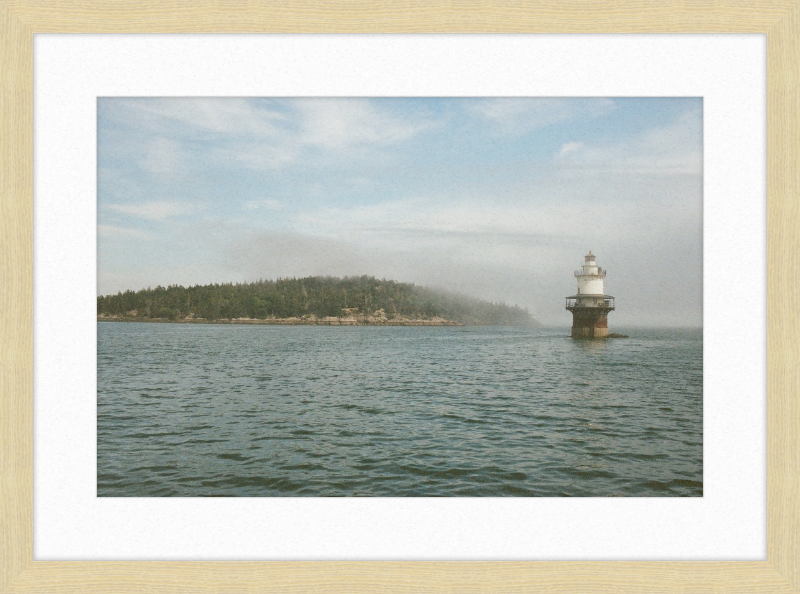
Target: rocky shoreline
352,320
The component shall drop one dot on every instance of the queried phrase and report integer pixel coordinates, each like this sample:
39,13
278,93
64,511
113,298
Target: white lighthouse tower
590,306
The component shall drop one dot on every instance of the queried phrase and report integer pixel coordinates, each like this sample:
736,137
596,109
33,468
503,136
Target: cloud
261,134
223,116
518,116
114,231
154,211
570,147
259,156
333,126
675,148
336,123
163,156
266,204
515,228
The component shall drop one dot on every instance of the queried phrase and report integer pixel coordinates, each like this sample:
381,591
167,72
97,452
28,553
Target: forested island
362,300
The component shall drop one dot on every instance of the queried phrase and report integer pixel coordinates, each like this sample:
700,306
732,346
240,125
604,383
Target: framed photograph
269,246
404,336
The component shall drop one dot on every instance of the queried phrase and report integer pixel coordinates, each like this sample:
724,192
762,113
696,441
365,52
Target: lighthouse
591,305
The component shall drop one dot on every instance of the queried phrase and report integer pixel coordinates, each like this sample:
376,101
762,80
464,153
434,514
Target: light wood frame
19,20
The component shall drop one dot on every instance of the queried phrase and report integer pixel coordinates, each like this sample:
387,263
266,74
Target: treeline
317,296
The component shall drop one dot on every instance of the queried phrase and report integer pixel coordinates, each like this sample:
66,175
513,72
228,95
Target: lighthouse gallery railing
574,302
600,273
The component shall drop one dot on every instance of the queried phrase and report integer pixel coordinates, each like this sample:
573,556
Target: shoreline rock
309,321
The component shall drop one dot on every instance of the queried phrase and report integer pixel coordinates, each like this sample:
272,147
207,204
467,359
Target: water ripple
254,411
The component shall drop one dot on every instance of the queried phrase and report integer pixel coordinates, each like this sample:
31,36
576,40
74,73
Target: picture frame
780,21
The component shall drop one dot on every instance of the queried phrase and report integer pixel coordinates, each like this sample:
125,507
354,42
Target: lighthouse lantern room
591,305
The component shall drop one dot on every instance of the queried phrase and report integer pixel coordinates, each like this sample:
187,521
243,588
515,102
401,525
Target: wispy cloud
154,211
570,147
676,147
258,156
163,155
337,123
425,223
224,116
122,232
266,204
519,116
266,134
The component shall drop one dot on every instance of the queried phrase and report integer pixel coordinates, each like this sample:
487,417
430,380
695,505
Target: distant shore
356,320
313,301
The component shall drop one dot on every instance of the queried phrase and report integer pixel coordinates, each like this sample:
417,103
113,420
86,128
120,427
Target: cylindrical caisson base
590,322
588,332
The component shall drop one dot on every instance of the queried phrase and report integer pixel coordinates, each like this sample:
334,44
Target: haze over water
227,410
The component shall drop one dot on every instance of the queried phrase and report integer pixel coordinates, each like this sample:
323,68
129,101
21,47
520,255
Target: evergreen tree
312,296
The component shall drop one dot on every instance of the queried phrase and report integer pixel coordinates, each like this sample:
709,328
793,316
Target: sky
498,198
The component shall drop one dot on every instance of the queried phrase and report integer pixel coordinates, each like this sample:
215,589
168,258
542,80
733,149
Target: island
316,300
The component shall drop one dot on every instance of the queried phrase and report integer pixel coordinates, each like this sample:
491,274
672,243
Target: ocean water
265,411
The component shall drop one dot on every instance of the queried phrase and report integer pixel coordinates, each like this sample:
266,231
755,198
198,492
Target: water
226,410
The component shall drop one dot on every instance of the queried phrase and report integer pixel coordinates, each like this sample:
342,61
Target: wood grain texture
16,298
401,16
783,355
402,577
19,20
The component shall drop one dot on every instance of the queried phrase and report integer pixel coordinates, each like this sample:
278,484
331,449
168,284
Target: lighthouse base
589,332
589,322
